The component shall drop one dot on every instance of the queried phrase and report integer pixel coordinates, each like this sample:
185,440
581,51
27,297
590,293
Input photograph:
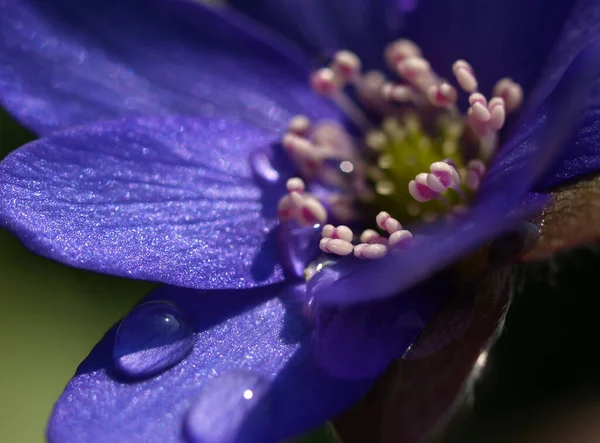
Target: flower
161,161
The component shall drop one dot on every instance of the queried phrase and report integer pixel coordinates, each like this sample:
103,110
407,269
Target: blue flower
161,160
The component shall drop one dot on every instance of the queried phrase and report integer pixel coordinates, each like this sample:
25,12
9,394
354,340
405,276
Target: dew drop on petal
232,408
152,338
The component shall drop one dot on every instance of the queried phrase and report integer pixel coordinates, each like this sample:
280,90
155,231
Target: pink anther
369,88
347,65
480,112
299,125
399,93
338,232
477,97
399,50
372,236
295,184
497,113
414,69
400,239
325,82
443,176
475,172
388,223
331,135
465,76
511,92
336,246
370,251
442,94
420,190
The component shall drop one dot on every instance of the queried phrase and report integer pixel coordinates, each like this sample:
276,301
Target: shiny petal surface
65,63
251,333
170,200
362,340
323,26
503,200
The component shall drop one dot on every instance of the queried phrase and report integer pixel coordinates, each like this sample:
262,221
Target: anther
325,82
475,172
443,176
399,50
300,206
372,236
347,65
443,94
370,251
400,239
369,88
511,92
414,69
420,190
295,184
386,222
336,246
464,75
497,113
299,125
399,93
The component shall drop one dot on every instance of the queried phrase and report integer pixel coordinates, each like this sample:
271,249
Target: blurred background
540,385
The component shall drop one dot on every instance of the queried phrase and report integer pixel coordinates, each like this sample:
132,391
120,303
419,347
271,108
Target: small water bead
232,408
152,338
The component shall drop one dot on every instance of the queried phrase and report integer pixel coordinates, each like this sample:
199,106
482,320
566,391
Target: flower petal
323,26
65,63
251,337
503,200
170,200
504,38
362,340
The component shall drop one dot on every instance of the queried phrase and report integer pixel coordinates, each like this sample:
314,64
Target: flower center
424,160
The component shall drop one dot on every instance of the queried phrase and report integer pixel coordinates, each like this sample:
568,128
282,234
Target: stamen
386,222
399,50
400,239
511,92
370,251
465,76
347,65
337,240
420,190
497,113
300,206
475,172
420,123
299,125
325,82
414,69
441,95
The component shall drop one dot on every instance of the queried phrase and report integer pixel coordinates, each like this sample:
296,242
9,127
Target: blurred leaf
573,218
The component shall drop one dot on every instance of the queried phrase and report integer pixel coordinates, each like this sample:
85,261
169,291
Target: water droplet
152,338
298,246
233,408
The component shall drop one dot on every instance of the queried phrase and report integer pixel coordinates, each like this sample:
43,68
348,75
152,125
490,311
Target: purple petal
323,26
170,200
509,38
503,200
362,340
252,342
66,63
